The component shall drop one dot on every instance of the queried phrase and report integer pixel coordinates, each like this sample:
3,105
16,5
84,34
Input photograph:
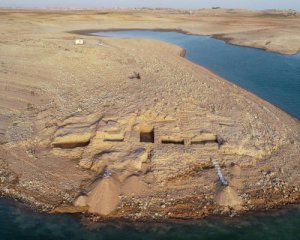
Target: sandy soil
77,134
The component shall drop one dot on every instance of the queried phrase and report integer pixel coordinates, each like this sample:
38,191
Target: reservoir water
17,222
271,76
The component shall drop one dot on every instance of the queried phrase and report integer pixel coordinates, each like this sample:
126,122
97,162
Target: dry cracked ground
78,135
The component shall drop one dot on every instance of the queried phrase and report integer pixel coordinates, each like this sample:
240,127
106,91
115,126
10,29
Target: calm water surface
17,222
273,77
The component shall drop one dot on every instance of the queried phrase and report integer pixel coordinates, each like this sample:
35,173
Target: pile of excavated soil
228,197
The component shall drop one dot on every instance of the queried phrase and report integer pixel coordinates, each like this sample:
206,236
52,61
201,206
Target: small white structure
79,41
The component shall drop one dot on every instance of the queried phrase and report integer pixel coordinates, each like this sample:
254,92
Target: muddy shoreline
222,37
97,222
230,40
215,211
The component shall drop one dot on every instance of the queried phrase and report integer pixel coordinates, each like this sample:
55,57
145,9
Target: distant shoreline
283,10
221,37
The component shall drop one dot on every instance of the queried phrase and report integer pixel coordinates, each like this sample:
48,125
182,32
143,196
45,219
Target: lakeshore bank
78,135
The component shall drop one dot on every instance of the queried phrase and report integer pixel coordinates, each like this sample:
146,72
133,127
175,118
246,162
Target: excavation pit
146,134
172,142
204,142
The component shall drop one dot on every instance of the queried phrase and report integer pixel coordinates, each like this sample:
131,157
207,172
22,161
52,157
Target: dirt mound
104,198
134,185
228,197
